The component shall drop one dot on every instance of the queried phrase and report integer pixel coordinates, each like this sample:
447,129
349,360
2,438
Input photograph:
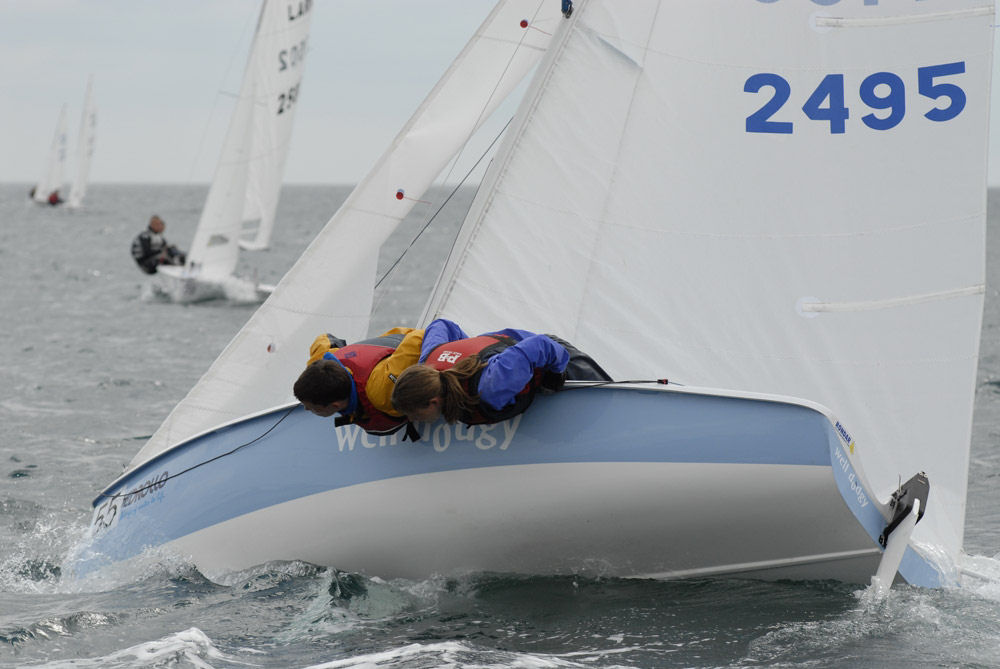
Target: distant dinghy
240,208
47,189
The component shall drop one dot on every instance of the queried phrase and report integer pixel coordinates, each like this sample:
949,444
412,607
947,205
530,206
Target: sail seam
623,135
844,22
872,305
735,355
972,218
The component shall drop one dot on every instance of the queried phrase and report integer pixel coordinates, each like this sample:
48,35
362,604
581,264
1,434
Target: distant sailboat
84,147
46,190
241,203
781,203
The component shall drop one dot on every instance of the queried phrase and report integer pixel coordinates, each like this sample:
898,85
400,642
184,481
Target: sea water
92,362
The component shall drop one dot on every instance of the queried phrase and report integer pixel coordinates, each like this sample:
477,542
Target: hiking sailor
485,379
356,380
150,249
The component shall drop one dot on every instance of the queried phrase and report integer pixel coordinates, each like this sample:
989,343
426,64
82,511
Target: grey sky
163,69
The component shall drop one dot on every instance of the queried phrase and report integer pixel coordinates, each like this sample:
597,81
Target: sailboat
769,215
46,190
84,147
242,200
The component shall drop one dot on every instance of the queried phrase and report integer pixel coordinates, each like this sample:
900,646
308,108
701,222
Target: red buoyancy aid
484,347
360,358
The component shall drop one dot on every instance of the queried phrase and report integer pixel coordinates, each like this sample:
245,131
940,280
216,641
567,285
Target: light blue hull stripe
304,455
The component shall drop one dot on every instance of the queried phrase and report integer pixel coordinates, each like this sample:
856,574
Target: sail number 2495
884,93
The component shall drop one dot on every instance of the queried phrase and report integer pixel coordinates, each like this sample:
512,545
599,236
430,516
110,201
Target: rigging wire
159,482
482,110
458,156
443,205
205,462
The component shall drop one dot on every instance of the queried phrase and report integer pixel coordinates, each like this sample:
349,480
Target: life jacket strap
411,432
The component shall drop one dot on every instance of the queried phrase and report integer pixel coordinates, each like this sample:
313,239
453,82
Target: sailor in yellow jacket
357,380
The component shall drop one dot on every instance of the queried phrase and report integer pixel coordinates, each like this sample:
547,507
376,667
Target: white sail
52,177
258,367
253,154
84,147
277,82
780,197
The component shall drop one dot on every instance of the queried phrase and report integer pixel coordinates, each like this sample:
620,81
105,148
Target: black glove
335,342
553,381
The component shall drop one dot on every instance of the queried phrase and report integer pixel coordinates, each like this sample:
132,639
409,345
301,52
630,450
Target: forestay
779,196
84,147
248,177
330,289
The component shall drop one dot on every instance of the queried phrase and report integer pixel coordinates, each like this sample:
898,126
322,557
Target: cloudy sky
165,69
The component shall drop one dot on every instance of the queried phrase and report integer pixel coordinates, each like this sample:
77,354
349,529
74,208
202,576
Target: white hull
715,485
560,519
178,284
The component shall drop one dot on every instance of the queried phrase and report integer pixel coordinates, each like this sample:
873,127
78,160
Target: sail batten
841,22
889,303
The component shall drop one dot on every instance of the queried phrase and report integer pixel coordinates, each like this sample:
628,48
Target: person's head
418,393
324,388
422,393
156,224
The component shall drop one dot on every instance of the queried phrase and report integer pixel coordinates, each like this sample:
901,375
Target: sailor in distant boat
54,198
356,380
150,249
486,379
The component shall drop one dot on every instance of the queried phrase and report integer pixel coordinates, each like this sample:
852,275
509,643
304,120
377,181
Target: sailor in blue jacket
483,379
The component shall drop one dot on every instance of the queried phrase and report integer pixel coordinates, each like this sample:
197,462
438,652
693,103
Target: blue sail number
883,92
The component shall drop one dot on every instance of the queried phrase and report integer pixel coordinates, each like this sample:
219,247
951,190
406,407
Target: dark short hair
323,382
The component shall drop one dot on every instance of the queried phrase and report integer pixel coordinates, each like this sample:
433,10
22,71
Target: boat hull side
645,482
676,520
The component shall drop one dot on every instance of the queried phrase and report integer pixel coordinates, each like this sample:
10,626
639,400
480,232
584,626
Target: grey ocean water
90,368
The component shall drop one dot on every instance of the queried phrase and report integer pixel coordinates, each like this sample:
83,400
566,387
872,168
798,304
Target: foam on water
458,655
190,647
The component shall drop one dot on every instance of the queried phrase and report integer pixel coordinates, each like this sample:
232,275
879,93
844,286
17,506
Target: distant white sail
330,288
249,173
52,176
277,88
84,147
779,197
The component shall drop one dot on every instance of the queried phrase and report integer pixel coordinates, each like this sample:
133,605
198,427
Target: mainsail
248,177
786,197
84,147
55,162
256,370
278,80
